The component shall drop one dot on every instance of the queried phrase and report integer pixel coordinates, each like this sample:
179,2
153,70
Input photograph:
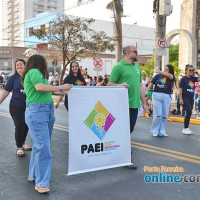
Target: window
41,7
27,32
39,1
51,8
42,27
31,31
52,2
46,27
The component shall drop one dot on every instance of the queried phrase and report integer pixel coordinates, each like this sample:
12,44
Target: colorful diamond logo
99,120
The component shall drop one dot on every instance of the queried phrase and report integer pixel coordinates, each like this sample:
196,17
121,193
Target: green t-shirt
131,74
32,78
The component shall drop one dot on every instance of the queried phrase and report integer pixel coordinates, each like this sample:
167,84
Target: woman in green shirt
40,119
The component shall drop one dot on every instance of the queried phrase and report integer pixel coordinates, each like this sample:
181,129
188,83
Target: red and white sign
5,63
161,42
98,63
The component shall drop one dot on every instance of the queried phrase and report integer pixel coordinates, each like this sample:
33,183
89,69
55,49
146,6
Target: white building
14,14
142,37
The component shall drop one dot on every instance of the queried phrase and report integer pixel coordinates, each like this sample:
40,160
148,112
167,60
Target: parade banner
99,130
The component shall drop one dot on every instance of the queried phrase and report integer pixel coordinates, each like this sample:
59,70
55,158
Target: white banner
99,129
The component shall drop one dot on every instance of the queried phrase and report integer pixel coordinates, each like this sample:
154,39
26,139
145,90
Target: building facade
15,12
190,21
142,37
8,56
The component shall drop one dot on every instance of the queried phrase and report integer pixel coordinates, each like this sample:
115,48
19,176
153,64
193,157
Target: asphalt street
111,184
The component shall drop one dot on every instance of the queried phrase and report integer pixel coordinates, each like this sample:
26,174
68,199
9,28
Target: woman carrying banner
186,95
75,77
40,119
161,97
17,106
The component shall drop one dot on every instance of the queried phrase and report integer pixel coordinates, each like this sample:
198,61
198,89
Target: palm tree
116,7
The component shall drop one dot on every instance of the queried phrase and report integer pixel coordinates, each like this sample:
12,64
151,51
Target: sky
136,11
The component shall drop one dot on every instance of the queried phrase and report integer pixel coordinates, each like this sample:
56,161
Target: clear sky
139,11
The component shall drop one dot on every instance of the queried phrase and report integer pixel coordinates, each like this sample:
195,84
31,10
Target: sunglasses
136,52
191,70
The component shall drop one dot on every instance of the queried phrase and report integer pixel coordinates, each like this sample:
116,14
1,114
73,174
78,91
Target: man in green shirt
126,73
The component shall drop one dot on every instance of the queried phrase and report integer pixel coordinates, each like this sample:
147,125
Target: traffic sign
98,63
161,52
5,63
161,43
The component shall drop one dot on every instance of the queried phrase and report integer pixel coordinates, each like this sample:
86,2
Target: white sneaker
190,131
194,113
197,117
165,135
154,134
185,131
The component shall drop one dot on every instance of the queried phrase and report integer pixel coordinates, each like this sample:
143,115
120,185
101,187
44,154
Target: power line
139,38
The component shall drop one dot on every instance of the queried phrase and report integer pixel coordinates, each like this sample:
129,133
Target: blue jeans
161,103
40,120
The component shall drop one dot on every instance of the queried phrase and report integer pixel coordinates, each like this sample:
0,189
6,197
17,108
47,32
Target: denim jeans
161,103
40,120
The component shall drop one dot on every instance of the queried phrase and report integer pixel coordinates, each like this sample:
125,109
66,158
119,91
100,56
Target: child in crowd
149,101
198,106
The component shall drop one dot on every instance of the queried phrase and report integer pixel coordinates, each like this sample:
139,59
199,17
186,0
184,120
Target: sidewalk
180,118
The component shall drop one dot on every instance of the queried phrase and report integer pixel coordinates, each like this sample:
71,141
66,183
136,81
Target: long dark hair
171,71
79,75
36,62
19,59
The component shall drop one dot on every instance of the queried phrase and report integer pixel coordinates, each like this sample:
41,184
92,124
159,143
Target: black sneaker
132,166
178,112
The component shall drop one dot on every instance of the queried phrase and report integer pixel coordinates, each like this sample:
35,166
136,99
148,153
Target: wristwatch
60,88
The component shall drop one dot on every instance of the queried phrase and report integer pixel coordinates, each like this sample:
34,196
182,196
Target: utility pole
160,31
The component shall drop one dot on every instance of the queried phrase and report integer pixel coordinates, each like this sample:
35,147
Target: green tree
74,38
174,53
173,59
149,67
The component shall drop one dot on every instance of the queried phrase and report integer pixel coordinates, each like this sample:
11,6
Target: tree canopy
173,60
74,38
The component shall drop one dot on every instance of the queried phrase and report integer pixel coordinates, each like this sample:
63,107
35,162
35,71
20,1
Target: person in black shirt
17,106
75,77
1,81
186,95
106,79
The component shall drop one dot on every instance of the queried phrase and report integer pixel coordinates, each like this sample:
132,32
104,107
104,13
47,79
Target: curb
178,119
